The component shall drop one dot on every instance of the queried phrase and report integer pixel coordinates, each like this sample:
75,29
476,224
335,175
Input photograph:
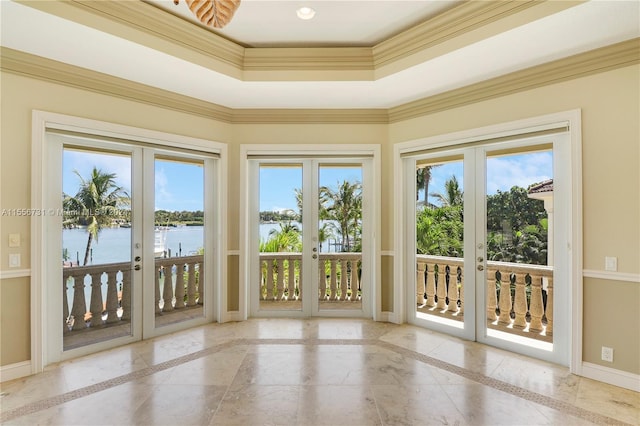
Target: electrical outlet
611,264
14,260
607,354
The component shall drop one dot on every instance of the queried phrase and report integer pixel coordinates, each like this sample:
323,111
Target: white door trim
570,119
42,121
306,151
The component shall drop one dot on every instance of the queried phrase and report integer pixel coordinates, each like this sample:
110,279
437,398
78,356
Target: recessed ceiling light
306,13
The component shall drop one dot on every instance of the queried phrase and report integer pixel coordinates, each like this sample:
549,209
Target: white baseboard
233,316
15,371
610,375
387,316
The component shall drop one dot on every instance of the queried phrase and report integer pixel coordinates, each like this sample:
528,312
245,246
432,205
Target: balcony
100,298
526,309
339,281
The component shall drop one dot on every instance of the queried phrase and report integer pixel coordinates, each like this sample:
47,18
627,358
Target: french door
486,224
310,237
129,246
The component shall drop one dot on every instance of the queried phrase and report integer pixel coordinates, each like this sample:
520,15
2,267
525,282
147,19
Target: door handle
480,268
137,258
480,259
314,256
137,267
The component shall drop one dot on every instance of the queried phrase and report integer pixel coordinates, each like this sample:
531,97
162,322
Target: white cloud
521,170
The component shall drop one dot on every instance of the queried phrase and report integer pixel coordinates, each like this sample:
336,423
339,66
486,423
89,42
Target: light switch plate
14,260
14,240
611,264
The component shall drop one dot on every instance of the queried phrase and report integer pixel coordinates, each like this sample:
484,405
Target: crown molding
465,24
313,64
592,62
158,29
600,60
28,65
310,116
152,27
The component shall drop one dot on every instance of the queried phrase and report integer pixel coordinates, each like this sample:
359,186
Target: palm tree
423,177
285,239
453,196
96,204
344,206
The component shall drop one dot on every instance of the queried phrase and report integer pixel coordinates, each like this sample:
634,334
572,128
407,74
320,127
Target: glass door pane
519,246
339,239
97,277
280,237
439,234
179,223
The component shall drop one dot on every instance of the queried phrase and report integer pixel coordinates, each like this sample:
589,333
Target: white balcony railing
339,277
525,309
107,287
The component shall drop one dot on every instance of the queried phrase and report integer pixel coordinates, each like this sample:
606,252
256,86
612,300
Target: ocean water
114,244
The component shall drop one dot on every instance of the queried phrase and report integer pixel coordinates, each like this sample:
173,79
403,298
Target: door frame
42,262
571,120
309,151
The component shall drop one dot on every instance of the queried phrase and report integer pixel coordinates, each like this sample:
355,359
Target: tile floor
311,372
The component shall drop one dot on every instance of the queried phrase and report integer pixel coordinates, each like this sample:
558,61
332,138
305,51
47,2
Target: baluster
549,309
461,280
179,291
334,280
452,291
520,302
191,284
441,288
536,306
112,297
126,294
65,302
420,283
280,279
343,279
492,298
353,282
300,277
79,308
159,271
200,284
167,291
291,279
96,299
269,280
505,299
431,285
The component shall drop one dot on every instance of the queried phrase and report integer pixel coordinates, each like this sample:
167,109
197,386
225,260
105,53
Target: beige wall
609,101
610,104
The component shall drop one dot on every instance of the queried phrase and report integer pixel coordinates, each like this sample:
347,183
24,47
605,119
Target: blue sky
179,186
277,184
503,172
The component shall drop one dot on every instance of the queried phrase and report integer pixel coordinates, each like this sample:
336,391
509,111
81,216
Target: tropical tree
285,239
452,196
423,177
97,202
343,206
439,231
